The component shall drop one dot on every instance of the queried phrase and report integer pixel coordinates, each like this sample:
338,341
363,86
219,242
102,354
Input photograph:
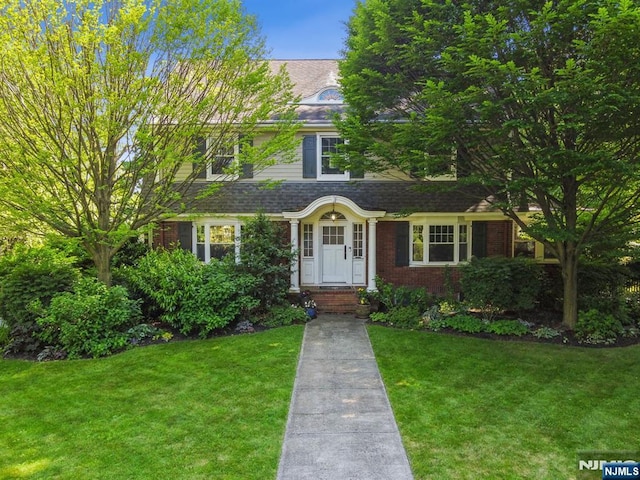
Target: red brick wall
166,234
499,238
432,278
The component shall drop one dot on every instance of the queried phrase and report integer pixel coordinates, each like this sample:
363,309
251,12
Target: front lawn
196,409
476,408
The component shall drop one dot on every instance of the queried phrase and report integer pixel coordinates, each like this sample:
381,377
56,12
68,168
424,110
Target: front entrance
333,236
334,254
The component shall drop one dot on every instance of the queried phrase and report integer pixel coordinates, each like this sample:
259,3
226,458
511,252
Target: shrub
283,315
191,296
391,296
32,274
92,320
408,317
507,327
546,332
466,323
601,286
267,257
595,327
4,335
496,284
130,252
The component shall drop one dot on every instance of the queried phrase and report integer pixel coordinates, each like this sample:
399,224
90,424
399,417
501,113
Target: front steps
334,299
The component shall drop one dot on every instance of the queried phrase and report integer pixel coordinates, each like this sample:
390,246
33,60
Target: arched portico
336,243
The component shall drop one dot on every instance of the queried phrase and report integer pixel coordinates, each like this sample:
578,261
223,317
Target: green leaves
102,102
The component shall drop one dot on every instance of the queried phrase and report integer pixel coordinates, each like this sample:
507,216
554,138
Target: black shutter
479,239
402,244
356,173
185,235
247,168
309,157
200,150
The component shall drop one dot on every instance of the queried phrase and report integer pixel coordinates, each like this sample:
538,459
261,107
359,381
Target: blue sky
302,28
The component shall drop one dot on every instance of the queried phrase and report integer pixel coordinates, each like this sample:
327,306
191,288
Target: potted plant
308,304
363,308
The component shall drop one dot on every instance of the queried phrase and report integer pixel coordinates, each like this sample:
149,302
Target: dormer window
330,95
327,96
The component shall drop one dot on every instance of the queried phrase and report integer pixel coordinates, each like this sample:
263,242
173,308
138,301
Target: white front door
334,254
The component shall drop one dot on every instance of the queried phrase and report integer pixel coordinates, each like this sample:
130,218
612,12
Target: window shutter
309,157
185,232
200,150
247,168
356,174
402,244
479,239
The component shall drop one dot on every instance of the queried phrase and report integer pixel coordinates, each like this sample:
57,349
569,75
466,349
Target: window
333,235
463,243
358,240
216,240
307,240
222,160
526,246
329,151
418,244
220,156
439,243
523,244
221,240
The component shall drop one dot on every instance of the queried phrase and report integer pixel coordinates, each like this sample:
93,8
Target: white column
371,270
295,278
237,240
207,243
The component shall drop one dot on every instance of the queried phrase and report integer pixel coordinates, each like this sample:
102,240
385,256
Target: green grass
474,408
192,410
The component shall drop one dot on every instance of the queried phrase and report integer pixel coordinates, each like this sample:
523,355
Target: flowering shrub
306,301
363,296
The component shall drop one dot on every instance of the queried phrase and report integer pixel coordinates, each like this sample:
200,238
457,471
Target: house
347,227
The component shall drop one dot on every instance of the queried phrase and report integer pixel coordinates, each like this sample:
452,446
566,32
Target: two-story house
346,227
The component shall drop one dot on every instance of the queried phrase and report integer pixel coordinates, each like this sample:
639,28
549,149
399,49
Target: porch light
333,215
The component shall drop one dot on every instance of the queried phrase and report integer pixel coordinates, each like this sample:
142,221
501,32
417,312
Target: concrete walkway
340,424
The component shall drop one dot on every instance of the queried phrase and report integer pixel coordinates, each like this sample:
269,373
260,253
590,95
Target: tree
102,103
540,99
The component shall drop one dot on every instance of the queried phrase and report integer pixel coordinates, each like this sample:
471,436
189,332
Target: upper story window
221,159
328,156
320,158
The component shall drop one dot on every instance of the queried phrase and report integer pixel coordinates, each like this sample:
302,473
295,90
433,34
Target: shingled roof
310,77
392,197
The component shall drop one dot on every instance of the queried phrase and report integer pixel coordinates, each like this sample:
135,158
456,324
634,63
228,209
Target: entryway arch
335,239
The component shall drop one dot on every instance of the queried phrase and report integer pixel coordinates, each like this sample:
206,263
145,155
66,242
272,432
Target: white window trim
538,248
333,177
221,177
207,236
425,244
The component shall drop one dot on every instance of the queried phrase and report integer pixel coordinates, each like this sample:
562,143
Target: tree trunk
570,284
102,261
